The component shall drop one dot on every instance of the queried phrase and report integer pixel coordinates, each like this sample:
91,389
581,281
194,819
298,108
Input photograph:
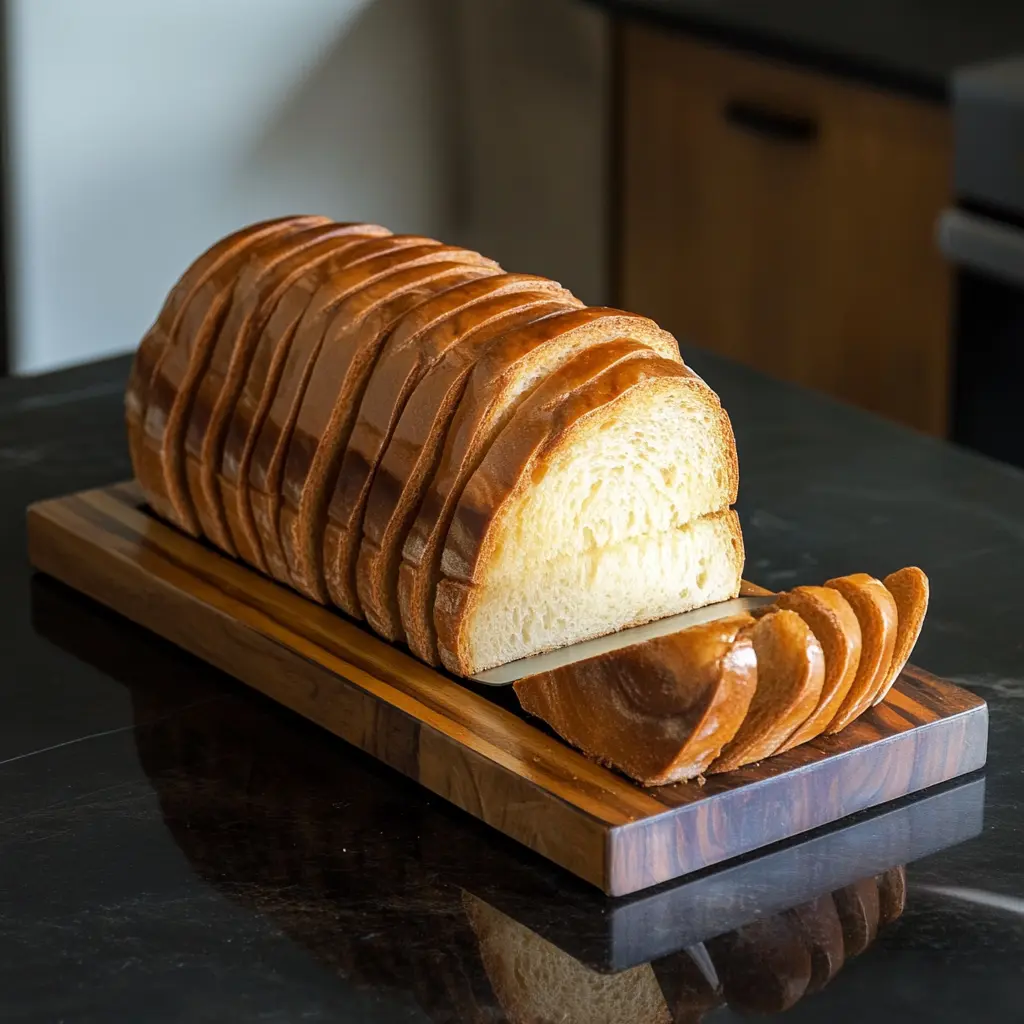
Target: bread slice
534,981
909,588
415,442
274,432
418,341
892,894
836,628
764,967
256,292
859,909
818,925
790,674
409,463
307,297
331,402
591,511
176,370
659,711
876,612
151,348
509,369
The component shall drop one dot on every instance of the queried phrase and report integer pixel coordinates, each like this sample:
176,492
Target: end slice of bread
591,511
910,591
790,674
659,711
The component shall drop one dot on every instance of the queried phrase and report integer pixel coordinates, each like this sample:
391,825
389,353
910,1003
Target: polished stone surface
908,45
174,848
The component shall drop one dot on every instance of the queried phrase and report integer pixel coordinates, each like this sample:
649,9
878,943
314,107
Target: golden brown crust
409,458
909,588
790,673
260,386
270,447
329,406
175,371
659,711
876,612
151,347
542,423
837,629
419,340
255,293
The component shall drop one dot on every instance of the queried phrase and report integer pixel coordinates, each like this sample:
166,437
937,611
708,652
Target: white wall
143,130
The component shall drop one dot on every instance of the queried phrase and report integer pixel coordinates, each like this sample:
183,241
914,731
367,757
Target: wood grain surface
473,748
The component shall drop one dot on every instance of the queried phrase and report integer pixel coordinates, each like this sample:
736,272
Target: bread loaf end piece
910,590
660,711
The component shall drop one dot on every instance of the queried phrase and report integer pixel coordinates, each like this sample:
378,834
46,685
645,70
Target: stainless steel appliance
984,237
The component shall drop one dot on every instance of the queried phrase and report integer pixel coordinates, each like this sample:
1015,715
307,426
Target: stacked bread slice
472,460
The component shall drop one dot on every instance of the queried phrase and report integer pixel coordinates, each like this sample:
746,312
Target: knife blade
504,675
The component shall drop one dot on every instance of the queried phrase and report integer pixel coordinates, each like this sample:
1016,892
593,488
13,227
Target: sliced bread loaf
418,440
181,363
790,674
876,612
331,402
256,293
303,302
596,508
508,369
151,348
270,448
685,694
417,342
835,626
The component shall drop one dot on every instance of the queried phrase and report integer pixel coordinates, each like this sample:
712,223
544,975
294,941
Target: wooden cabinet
787,220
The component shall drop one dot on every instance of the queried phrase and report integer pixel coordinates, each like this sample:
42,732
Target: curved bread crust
660,711
836,628
909,588
152,346
409,458
818,924
790,673
269,450
256,291
305,298
180,364
892,894
507,372
540,425
859,909
418,341
764,967
876,612
329,406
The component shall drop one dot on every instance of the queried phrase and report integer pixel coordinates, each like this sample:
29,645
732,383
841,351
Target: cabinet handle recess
770,124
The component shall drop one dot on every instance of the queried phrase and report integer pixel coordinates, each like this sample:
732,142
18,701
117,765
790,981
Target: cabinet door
787,220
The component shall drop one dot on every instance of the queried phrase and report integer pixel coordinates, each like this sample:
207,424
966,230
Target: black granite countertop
910,45
174,848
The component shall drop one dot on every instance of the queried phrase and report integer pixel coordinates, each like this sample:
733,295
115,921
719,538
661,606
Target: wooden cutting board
473,746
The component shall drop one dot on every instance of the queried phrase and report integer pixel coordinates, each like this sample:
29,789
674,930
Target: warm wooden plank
478,752
786,219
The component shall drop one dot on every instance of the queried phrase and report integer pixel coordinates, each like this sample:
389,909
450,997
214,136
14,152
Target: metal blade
505,674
